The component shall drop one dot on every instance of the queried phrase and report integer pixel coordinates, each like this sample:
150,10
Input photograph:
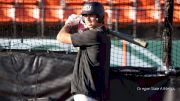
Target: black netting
34,24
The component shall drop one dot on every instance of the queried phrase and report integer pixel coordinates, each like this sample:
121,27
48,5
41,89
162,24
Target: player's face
90,21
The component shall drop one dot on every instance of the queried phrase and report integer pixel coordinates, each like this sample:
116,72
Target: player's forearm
64,35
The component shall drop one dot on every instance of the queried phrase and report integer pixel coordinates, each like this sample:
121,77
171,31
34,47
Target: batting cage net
32,25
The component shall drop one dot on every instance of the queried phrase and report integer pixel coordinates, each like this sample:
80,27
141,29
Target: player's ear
97,19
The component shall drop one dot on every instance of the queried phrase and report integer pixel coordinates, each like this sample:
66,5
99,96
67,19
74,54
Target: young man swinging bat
90,80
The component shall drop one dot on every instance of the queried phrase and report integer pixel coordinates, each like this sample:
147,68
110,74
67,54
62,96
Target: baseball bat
76,18
128,38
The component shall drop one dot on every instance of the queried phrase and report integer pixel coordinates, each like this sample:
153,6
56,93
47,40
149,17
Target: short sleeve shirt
91,69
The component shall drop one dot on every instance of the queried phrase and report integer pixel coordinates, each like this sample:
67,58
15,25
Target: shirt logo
87,8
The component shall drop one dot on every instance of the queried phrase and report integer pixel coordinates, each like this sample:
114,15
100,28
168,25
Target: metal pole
158,9
42,16
167,33
135,19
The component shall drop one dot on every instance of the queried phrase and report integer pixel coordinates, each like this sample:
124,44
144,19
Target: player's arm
64,36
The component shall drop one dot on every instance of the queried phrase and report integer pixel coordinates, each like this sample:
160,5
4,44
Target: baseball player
90,80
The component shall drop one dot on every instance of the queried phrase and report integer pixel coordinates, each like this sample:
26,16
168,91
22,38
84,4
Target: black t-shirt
91,70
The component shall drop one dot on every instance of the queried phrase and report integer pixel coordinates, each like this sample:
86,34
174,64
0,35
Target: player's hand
73,20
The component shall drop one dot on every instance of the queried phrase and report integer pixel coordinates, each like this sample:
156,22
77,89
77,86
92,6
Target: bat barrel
128,38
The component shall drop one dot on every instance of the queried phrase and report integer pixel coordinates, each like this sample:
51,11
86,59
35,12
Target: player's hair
94,8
